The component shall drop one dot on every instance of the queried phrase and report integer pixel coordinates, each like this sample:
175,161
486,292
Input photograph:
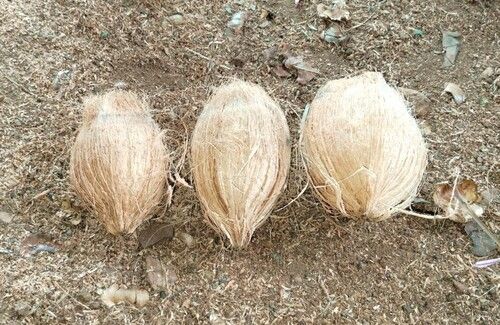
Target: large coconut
119,164
241,156
363,151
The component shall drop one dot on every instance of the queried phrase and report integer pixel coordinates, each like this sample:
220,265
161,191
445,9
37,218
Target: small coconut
241,157
363,151
119,165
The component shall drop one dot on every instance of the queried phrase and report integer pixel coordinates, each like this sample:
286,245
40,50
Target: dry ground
302,266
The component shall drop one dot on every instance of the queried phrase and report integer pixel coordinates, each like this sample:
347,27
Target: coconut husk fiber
119,164
241,156
363,151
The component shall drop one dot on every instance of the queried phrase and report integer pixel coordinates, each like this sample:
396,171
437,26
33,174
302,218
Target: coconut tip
114,101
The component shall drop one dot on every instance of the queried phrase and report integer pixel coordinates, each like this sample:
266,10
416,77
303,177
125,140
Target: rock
482,244
85,296
36,243
487,73
460,287
122,85
176,19
6,217
22,308
62,77
160,276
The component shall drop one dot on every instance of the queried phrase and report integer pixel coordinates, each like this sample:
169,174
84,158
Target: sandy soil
302,266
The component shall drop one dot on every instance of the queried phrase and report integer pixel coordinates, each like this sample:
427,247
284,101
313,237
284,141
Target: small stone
487,73
176,19
85,296
22,308
482,244
122,85
187,239
461,288
265,24
104,34
75,221
6,217
61,78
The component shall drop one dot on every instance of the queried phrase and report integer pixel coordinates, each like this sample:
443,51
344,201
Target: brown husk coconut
241,157
363,151
119,164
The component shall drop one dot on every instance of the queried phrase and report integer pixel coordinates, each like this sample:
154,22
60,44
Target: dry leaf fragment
38,243
114,295
155,234
270,53
451,44
445,199
159,276
279,71
337,13
419,102
457,92
305,72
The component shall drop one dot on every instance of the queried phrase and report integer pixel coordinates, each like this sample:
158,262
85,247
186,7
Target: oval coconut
241,157
119,164
363,151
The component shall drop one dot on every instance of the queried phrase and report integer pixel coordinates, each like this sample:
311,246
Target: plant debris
445,198
455,90
159,276
335,13
114,295
305,72
155,233
418,101
451,45
38,243
284,64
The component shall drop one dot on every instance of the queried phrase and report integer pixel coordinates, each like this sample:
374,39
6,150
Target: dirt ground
302,266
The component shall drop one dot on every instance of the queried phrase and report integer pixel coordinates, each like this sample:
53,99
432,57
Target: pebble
22,308
176,19
61,78
482,244
6,217
187,239
487,73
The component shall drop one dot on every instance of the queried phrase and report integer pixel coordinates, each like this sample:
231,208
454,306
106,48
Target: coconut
119,165
363,151
241,156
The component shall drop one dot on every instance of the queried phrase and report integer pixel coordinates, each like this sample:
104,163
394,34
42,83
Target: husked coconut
241,156
119,164
363,151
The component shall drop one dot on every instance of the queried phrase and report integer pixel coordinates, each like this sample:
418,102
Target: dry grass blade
241,156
